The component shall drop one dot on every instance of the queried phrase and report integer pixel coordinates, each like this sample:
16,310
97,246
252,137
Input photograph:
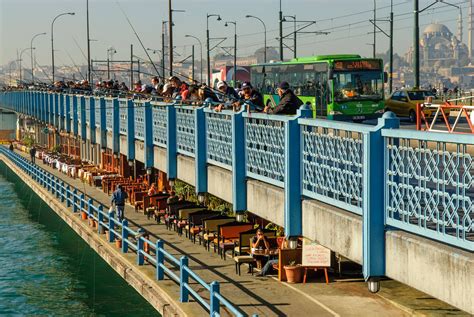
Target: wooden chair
195,220
227,234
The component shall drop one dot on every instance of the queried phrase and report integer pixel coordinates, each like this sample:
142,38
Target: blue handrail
84,203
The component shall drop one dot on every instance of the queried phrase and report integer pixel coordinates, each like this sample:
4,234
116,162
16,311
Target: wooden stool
306,268
241,259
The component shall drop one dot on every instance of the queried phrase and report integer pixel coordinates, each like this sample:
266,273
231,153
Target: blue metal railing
336,163
130,238
430,185
123,113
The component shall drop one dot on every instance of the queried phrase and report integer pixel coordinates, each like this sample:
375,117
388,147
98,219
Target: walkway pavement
268,297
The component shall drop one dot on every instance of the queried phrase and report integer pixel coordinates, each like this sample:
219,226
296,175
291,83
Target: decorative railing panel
430,185
265,144
97,109
332,165
123,110
109,113
160,125
87,104
185,123
219,138
139,108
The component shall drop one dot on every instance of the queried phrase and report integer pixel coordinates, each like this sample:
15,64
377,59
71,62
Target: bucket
118,243
83,215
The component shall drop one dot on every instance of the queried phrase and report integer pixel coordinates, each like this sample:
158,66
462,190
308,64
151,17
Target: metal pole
281,33
294,40
163,50
375,28
390,77
131,66
89,72
170,26
138,69
52,40
264,34
208,55
235,54
32,59
416,45
192,52
108,66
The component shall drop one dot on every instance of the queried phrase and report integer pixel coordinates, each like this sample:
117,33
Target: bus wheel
412,116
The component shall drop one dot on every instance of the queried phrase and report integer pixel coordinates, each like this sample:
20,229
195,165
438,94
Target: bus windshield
358,85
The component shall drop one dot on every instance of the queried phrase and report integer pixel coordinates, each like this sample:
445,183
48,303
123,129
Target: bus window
322,93
358,85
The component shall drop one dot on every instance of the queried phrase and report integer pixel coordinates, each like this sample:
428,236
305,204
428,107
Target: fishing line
138,37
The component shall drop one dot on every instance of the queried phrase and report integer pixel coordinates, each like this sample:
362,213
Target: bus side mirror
330,74
385,77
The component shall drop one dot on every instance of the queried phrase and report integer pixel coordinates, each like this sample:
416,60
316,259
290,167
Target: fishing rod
75,65
138,37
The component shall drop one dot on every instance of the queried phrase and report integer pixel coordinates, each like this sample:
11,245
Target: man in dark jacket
118,198
253,96
289,102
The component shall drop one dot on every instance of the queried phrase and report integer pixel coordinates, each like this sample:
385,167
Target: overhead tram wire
138,37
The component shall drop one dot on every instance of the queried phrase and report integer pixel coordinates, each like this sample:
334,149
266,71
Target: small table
259,254
306,268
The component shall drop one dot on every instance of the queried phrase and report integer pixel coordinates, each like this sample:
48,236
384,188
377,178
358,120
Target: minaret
471,29
460,31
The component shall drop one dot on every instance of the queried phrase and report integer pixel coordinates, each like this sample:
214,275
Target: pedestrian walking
118,198
33,154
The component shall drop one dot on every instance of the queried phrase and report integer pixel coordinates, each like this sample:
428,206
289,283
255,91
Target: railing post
82,203
160,259
239,184
90,202
100,218
111,226
68,192
124,236
148,135
200,150
293,179
74,200
183,279
373,204
214,302
171,146
116,128
140,243
130,129
56,185
63,187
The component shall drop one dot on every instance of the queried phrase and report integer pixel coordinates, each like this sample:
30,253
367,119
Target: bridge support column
130,130
149,151
116,127
373,208
239,184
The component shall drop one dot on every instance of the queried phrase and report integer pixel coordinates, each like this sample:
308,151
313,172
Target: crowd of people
222,97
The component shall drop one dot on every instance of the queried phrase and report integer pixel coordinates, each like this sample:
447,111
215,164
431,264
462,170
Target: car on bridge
403,103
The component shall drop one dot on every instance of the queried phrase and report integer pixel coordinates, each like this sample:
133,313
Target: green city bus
339,87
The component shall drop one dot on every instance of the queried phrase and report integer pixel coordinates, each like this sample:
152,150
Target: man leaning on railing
289,102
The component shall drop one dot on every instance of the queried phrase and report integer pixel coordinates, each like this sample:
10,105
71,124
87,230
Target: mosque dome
436,28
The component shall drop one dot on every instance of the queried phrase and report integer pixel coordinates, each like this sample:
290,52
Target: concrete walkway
268,297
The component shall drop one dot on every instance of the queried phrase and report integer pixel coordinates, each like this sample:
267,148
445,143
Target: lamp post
209,47
235,48
89,66
21,58
416,37
200,47
52,38
31,53
110,58
265,36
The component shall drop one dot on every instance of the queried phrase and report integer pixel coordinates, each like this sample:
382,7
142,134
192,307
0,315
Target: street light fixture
31,53
208,46
21,58
200,46
265,35
234,77
52,38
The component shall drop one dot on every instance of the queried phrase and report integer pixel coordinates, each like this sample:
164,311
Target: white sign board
315,254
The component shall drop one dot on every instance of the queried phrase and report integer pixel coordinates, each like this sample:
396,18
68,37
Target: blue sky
21,19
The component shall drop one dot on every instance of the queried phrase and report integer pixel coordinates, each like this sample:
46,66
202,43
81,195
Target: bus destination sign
357,65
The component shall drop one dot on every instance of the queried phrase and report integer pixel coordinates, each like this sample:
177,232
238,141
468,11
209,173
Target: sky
346,20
